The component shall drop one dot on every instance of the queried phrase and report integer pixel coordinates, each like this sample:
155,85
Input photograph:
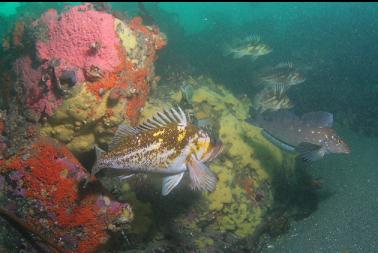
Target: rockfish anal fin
253,58
238,54
170,182
310,152
202,178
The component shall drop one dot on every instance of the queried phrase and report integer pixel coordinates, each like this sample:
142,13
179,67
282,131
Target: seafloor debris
40,185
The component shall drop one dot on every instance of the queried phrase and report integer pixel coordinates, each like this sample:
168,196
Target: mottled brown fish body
151,150
166,144
310,135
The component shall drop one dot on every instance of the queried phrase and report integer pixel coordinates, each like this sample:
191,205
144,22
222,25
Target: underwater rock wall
88,72
41,186
84,73
78,74
216,221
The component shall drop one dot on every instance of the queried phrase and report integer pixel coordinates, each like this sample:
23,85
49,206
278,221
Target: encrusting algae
82,120
92,108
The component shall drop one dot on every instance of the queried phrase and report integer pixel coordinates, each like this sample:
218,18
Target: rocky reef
236,210
41,186
88,72
76,75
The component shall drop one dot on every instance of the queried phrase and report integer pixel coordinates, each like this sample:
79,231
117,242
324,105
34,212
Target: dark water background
335,43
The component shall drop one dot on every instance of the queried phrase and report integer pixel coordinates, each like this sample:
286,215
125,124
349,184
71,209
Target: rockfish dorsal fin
164,118
318,119
122,132
288,64
254,38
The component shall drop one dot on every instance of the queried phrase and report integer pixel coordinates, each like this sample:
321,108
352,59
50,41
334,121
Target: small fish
165,144
188,91
250,46
272,99
284,74
311,135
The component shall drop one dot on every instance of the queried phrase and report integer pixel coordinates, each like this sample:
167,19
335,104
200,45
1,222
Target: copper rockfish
311,134
165,144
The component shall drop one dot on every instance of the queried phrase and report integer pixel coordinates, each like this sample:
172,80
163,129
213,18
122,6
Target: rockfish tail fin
95,167
227,50
202,178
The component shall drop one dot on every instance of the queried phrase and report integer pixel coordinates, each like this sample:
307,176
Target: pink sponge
39,96
79,38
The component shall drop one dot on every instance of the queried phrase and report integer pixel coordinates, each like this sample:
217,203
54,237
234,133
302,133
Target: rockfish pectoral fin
202,178
237,54
253,58
214,153
125,177
310,152
171,182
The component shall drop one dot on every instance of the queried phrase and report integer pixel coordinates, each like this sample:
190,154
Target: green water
336,44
